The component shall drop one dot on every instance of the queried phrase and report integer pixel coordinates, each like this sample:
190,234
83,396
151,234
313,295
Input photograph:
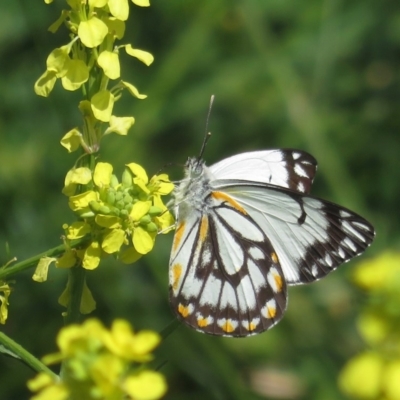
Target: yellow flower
379,272
123,342
146,385
361,376
101,364
121,217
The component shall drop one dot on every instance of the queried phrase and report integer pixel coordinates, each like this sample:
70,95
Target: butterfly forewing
291,169
232,283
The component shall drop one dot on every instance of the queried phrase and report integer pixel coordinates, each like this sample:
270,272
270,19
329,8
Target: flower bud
104,210
155,211
145,220
114,181
126,179
151,227
94,206
110,197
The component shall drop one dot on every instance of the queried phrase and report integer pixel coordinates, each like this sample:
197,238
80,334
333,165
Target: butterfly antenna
207,134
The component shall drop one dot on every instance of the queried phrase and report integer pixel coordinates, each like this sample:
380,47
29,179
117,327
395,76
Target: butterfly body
246,228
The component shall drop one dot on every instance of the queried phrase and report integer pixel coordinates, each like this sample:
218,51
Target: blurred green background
318,75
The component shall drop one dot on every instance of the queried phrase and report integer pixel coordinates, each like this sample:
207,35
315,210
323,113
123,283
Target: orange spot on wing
203,228
228,199
202,322
180,229
176,274
251,326
278,281
274,257
271,312
184,311
228,327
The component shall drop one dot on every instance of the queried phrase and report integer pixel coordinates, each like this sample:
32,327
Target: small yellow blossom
361,376
144,56
42,269
102,364
146,385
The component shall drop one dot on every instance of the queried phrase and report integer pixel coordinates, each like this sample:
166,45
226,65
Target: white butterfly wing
291,169
311,237
225,278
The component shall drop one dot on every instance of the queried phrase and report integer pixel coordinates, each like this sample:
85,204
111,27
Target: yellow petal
108,221
67,260
132,90
40,381
119,9
141,3
77,75
102,174
42,268
109,61
59,61
144,56
4,303
78,230
163,184
129,256
45,84
138,171
142,240
145,342
113,241
91,259
139,210
146,385
72,140
120,125
102,104
82,200
116,27
81,175
92,32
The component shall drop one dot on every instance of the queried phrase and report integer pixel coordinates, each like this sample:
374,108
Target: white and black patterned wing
291,169
311,237
225,277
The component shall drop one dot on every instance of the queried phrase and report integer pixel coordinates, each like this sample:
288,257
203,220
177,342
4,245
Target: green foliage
316,75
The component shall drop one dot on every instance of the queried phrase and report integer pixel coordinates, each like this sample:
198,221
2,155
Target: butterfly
246,229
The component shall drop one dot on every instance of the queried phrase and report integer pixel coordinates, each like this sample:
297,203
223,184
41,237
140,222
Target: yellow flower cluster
121,217
88,62
375,374
101,364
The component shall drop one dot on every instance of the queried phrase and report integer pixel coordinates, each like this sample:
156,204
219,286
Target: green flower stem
32,261
76,281
24,355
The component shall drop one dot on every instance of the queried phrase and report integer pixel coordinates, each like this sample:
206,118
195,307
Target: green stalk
76,281
19,352
32,261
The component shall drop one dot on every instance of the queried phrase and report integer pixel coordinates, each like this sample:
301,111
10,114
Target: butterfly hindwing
231,283
312,237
